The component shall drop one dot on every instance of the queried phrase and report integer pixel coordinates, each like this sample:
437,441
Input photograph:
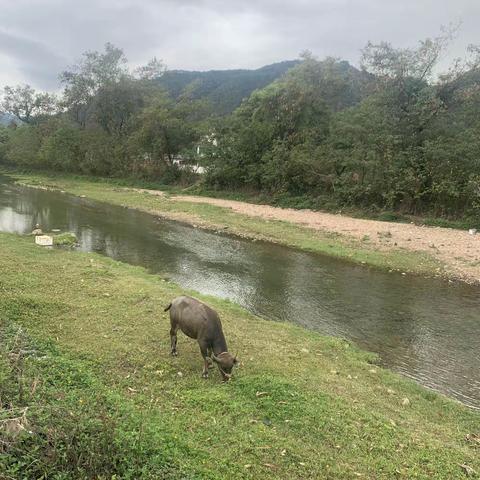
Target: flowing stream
426,329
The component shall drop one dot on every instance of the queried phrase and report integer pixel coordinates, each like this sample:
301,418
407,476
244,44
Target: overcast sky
39,38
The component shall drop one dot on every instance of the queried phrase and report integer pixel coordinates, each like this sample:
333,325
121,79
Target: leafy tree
265,143
163,131
153,70
84,79
4,136
23,146
115,103
27,104
102,154
62,148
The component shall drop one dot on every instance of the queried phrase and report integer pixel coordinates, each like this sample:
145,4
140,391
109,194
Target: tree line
108,121
395,134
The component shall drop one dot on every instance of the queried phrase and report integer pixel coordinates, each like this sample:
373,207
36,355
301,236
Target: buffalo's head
225,362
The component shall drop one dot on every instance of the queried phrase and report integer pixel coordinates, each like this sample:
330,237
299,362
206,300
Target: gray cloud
40,38
34,61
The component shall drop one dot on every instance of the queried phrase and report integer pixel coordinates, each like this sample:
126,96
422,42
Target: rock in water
44,240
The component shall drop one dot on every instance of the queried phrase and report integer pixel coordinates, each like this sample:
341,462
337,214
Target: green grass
106,400
66,239
61,421
225,220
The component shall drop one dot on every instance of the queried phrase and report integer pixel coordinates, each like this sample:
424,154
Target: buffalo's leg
173,338
209,358
204,352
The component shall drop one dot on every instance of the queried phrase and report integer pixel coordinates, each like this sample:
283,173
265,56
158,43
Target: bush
62,149
4,135
23,147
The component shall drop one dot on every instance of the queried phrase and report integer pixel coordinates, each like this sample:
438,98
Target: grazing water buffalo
199,321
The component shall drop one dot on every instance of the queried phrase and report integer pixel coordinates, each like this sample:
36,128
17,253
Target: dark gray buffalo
199,321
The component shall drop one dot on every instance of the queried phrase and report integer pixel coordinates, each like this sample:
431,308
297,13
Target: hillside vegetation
223,89
392,136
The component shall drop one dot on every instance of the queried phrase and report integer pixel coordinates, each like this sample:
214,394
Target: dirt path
457,249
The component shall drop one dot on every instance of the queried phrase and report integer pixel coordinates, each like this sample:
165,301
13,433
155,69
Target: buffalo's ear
235,361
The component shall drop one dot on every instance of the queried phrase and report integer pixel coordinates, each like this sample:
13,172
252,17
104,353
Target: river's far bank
301,405
431,251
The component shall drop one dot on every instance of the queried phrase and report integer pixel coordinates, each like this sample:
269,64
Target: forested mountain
225,89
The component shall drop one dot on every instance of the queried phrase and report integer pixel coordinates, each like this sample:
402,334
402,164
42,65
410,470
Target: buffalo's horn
216,359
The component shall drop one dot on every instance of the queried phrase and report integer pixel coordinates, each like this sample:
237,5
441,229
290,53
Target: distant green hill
6,119
225,89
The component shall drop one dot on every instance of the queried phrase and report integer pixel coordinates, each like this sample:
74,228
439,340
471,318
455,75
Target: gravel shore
456,249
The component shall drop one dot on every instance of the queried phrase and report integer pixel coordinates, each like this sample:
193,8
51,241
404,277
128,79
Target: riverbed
426,329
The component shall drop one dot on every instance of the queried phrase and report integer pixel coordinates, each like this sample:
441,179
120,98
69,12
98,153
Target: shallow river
426,329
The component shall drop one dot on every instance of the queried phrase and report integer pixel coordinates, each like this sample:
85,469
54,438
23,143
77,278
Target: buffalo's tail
168,308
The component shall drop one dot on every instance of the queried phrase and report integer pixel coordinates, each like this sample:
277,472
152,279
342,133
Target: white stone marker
44,240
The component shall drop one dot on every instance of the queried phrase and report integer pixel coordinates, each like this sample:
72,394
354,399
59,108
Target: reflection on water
426,329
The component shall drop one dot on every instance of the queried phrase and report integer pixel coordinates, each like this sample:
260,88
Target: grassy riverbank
85,347
225,220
